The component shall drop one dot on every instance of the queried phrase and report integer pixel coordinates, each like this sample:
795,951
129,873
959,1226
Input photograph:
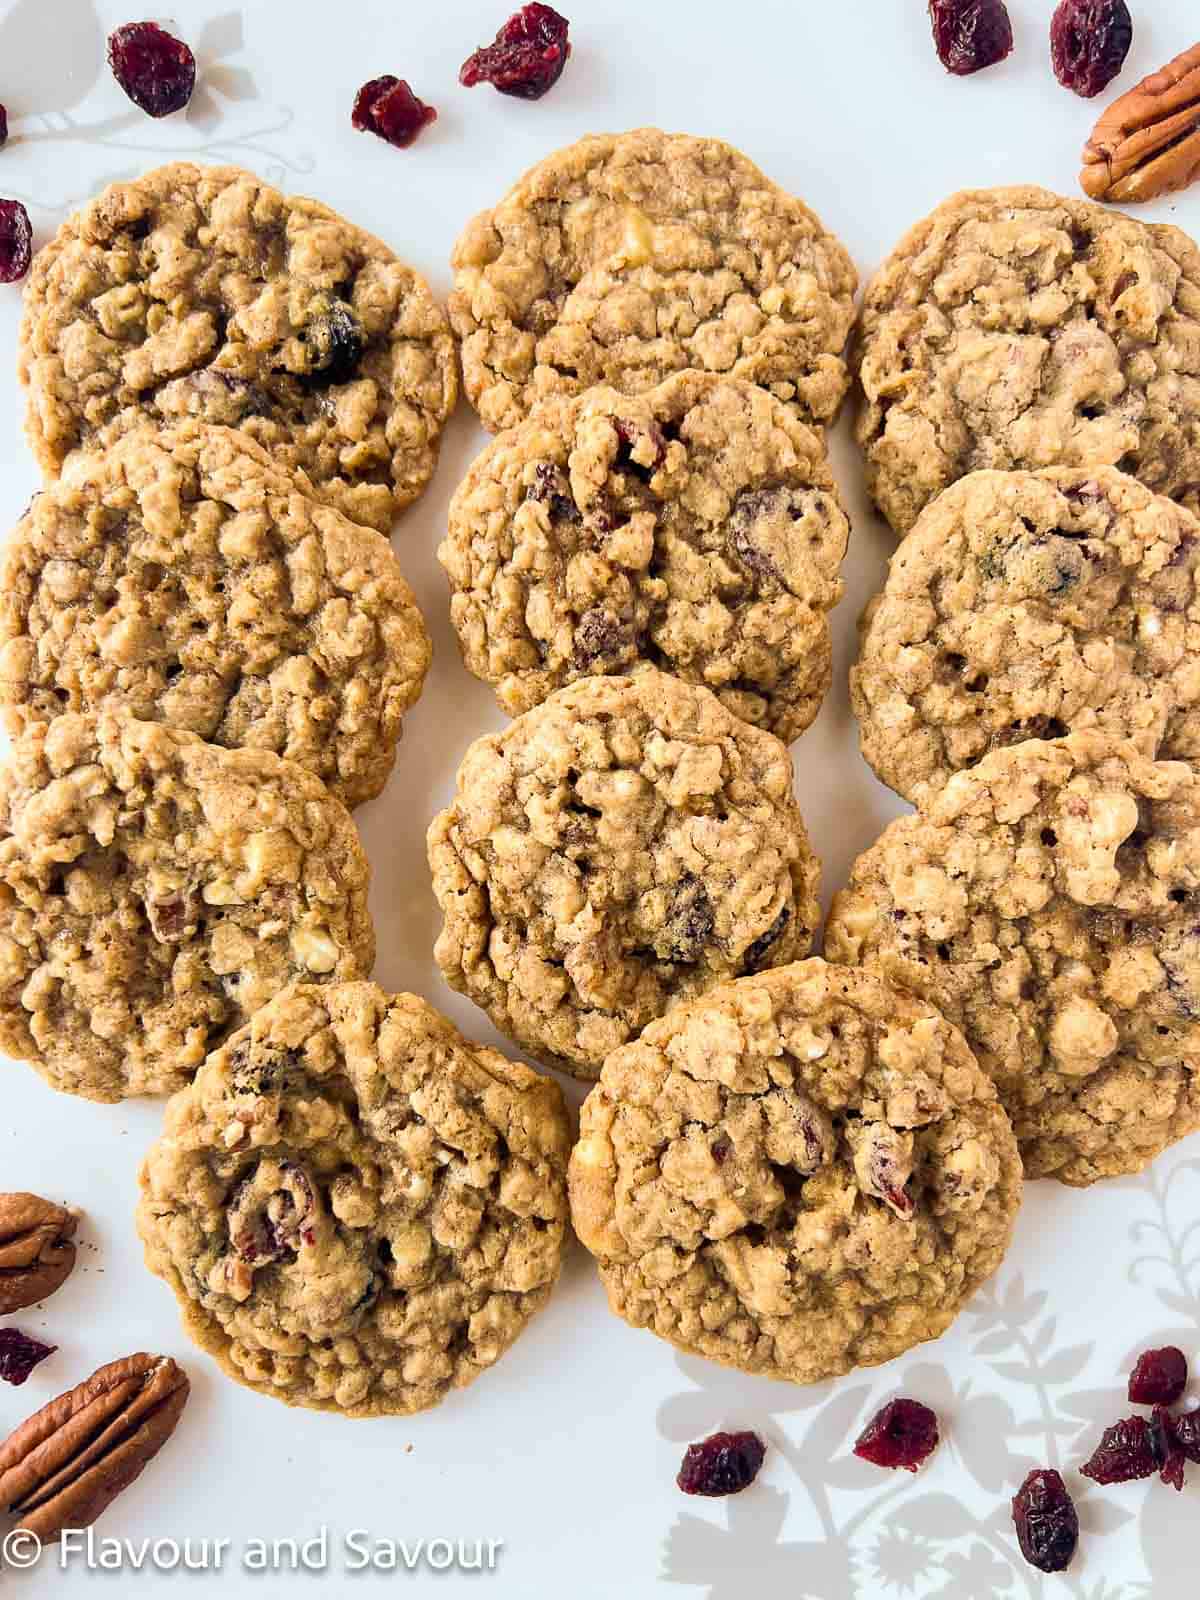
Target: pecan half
36,1253
1147,143
71,1459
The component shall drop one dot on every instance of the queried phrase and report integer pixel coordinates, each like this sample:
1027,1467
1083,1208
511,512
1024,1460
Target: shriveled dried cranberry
388,108
1166,1448
19,1354
156,70
1159,1378
3,126
970,34
1185,1434
1089,40
724,1463
527,57
1046,1522
1126,1451
16,241
903,1434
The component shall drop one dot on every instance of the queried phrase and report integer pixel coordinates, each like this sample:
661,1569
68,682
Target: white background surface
567,1451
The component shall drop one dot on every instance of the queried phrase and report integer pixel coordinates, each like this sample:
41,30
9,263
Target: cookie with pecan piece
358,1209
795,1174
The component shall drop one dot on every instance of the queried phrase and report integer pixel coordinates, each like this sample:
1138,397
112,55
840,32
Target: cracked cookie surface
1030,605
180,577
1014,328
696,527
795,1174
156,890
627,257
358,1209
622,847
203,292
1046,903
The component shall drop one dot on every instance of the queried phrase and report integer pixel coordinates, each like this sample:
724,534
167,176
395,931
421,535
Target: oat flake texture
630,256
622,847
155,891
358,1209
796,1174
1045,902
203,292
1016,328
696,526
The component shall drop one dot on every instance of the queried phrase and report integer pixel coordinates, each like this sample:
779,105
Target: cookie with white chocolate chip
358,1209
155,891
796,1174
1046,902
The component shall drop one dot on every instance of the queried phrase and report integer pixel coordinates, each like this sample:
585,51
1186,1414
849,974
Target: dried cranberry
970,34
1126,1451
1159,1378
19,1354
725,1463
156,70
1185,1434
3,126
527,57
903,1434
1167,1448
1046,1523
388,108
16,241
1089,40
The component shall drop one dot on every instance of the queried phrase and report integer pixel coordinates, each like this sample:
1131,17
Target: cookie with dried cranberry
182,578
620,848
1017,329
1046,902
1029,605
696,527
358,1209
796,1174
204,292
628,257
156,890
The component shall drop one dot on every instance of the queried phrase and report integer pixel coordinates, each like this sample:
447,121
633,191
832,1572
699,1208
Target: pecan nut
1147,143
71,1459
36,1253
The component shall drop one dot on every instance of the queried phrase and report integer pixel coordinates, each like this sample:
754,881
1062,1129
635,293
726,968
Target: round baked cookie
627,257
155,891
696,527
795,1174
204,292
1046,903
1028,605
1014,328
358,1209
622,847
179,576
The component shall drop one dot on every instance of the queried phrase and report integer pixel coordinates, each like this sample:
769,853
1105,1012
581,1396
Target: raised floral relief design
821,1524
224,121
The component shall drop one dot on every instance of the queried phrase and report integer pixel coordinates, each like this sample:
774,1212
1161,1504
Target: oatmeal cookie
795,1174
155,891
628,257
180,577
1046,903
358,1209
1028,605
203,292
696,527
1015,328
622,847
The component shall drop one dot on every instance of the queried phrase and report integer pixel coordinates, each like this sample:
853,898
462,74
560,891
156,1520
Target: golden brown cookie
358,1209
1046,903
795,1174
